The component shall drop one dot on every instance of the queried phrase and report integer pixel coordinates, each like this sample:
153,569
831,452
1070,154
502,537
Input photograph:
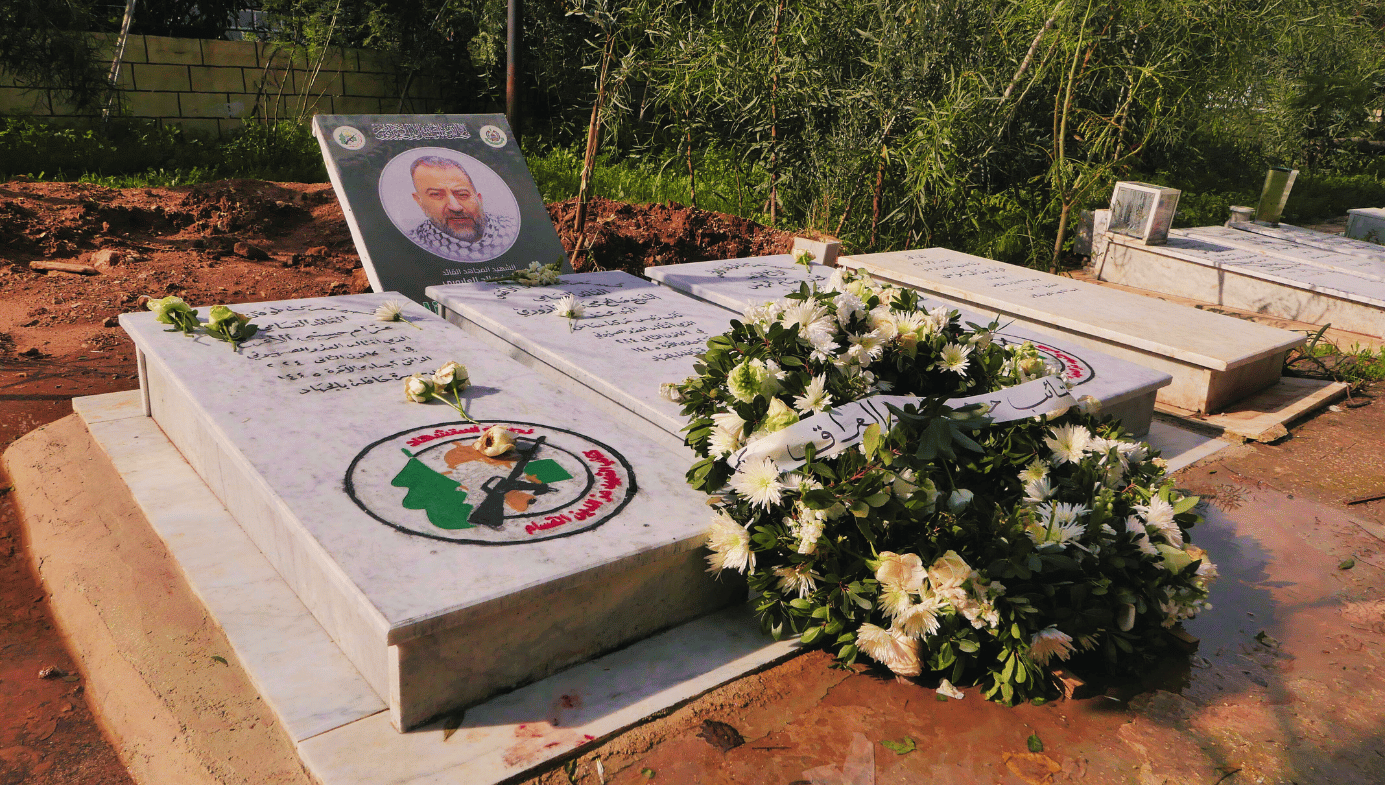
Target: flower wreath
978,552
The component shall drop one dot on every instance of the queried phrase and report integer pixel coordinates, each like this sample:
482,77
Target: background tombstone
1143,211
1126,390
434,199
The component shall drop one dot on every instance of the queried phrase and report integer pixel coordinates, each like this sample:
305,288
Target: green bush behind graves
890,123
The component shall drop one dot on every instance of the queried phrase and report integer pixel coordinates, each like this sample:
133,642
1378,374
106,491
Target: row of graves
1254,263
437,525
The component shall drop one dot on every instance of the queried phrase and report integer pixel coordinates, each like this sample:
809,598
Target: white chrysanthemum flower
981,338
1136,527
1036,491
815,398
1159,514
1068,443
1049,643
724,442
567,307
865,349
798,580
921,618
849,306
758,481
891,648
390,311
904,571
1134,452
729,543
803,313
895,601
954,358
1036,470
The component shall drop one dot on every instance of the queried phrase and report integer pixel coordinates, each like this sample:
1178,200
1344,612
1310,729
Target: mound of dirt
631,237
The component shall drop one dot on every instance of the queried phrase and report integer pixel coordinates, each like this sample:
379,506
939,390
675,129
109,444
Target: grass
1358,366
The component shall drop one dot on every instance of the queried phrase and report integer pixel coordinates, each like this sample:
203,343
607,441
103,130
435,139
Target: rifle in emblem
491,511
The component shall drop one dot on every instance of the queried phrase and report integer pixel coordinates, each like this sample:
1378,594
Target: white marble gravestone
1367,224
1214,359
1216,272
1126,390
1310,254
634,336
444,575
1321,240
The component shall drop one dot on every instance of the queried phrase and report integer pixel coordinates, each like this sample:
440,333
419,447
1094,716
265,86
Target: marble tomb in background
1214,360
1126,390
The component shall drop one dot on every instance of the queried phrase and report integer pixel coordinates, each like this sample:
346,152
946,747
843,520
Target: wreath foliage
977,552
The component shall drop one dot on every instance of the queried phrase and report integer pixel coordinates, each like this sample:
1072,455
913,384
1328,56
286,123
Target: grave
1312,254
1213,359
1315,286
633,336
433,199
1366,224
1311,239
444,575
1126,390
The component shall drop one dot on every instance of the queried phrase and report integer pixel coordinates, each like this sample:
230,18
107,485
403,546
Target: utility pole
515,36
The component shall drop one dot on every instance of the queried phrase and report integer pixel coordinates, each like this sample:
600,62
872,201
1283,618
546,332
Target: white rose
904,572
418,388
948,572
452,375
497,440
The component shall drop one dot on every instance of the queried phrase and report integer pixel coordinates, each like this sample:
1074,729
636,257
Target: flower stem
457,405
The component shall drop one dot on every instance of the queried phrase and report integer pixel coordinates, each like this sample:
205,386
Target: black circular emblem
434,482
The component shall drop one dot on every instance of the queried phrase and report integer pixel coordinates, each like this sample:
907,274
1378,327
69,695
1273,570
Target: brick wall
213,86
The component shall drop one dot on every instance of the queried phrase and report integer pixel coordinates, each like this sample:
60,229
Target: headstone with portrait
1126,390
433,199
445,567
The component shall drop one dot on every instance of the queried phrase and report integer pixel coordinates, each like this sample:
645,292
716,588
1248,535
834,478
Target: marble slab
1322,240
633,336
1250,280
1213,359
341,730
1126,390
443,576
1366,224
1311,254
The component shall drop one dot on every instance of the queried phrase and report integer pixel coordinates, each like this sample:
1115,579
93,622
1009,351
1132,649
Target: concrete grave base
204,667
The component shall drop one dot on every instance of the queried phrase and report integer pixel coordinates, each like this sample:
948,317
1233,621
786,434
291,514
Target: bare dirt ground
233,241
1286,686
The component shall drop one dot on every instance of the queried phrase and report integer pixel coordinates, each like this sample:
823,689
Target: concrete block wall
213,86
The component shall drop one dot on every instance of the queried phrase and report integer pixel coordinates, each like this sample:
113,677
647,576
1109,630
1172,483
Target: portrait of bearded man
456,225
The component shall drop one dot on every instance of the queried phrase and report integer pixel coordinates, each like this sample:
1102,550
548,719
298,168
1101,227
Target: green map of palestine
443,499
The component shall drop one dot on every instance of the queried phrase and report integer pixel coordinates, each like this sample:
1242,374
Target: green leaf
1346,565
1185,504
871,440
1034,744
220,659
647,773
811,634
902,747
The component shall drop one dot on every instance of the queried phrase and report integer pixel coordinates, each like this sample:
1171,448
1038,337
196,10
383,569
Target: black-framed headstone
436,199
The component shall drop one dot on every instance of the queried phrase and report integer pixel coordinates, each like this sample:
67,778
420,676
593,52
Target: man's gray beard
478,230
497,235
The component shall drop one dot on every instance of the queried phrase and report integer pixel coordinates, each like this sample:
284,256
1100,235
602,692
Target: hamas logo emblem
433,482
348,137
